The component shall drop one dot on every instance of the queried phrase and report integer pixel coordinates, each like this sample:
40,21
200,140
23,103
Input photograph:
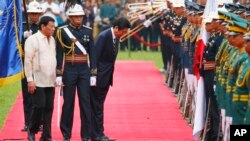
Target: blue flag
10,37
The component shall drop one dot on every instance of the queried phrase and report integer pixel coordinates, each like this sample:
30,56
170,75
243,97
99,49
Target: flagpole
26,15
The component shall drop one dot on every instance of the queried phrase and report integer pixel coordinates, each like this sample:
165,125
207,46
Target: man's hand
27,33
31,87
142,17
93,81
147,23
59,81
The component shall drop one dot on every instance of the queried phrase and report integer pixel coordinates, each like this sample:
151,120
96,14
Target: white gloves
214,87
27,33
142,17
93,81
59,81
147,23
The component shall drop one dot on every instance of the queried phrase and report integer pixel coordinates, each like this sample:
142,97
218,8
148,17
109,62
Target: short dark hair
45,21
122,23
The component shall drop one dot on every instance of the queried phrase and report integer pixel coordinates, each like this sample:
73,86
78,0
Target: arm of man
29,63
99,45
92,55
59,51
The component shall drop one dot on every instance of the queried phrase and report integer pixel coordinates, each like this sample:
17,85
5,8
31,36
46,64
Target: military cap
247,36
189,7
241,9
235,17
235,28
247,12
225,16
199,9
231,7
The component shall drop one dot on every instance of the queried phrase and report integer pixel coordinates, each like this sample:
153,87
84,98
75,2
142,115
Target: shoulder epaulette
61,27
87,27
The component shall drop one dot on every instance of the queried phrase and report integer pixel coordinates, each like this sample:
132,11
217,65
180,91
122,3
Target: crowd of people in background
99,14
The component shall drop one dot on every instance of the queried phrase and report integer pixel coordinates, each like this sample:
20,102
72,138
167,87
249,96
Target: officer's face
34,17
247,47
238,40
76,20
208,27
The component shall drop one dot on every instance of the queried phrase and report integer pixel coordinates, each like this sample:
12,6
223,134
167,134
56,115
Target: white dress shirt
40,60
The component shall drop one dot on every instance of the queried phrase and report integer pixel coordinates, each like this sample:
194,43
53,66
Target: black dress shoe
45,139
86,139
103,138
25,129
66,139
31,136
40,128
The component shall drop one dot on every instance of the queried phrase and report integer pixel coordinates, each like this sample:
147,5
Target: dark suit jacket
106,56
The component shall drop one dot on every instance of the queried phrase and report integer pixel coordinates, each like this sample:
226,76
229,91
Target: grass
8,93
142,55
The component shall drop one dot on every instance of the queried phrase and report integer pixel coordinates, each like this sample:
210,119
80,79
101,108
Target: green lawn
142,55
9,93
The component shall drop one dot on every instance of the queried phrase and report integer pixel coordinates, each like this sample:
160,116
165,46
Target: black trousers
43,105
27,102
98,96
163,50
76,76
214,110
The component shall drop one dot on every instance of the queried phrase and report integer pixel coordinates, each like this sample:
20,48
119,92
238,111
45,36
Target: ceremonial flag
200,110
10,37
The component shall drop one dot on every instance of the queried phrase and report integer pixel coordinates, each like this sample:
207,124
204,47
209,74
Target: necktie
114,45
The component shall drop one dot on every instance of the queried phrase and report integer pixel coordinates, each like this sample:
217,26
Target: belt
76,58
209,65
240,97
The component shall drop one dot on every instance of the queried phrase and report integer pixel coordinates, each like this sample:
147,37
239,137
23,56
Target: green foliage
8,95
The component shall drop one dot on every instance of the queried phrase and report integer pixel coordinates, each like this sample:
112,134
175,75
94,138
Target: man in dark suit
106,46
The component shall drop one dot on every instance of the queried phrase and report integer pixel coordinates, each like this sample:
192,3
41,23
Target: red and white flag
200,109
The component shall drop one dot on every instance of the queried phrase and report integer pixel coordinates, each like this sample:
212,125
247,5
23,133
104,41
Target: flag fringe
10,79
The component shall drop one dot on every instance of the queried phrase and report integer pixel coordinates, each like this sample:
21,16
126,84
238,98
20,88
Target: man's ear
116,28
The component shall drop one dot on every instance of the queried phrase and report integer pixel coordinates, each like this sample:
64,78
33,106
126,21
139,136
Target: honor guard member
227,59
219,67
166,30
178,23
75,46
243,81
237,96
34,13
235,39
208,73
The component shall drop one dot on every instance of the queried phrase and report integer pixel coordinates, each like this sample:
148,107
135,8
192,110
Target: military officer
178,22
220,96
34,12
243,80
208,72
237,96
75,46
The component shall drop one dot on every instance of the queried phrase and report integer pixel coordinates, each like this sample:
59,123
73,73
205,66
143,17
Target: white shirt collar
113,34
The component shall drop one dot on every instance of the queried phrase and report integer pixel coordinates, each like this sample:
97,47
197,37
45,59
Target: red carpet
138,108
